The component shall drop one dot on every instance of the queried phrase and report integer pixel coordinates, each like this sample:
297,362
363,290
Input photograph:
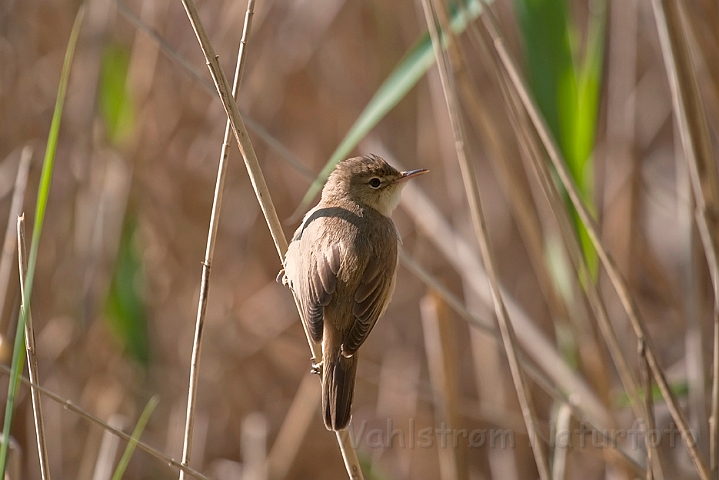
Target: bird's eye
375,182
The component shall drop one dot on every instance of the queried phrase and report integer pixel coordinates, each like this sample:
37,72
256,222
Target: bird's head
368,180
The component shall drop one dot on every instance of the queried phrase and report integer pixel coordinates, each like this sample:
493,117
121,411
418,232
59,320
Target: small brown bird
342,264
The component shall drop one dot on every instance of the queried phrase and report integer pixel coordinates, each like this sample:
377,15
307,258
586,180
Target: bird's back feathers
343,275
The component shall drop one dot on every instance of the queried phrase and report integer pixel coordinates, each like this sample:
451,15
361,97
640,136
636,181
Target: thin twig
9,247
69,405
31,354
472,191
608,262
263,195
210,251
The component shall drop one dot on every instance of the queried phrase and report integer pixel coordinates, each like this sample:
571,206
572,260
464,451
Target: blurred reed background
119,263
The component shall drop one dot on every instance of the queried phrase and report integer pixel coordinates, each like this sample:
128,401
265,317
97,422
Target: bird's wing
315,290
371,299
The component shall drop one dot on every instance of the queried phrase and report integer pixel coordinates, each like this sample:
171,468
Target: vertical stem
18,360
209,253
238,129
472,191
562,444
696,143
440,347
31,354
262,192
294,428
649,406
713,427
349,455
607,260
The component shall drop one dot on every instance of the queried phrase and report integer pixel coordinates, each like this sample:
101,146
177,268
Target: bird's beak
411,174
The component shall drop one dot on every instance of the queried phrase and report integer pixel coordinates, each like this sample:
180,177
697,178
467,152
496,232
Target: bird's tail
338,384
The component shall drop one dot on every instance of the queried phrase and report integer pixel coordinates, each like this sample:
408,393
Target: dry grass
309,73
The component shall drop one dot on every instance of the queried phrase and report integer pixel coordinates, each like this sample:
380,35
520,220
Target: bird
341,265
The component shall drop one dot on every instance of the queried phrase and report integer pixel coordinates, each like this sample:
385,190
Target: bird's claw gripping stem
316,368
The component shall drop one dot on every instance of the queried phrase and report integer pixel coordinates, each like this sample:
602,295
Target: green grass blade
581,142
115,101
566,89
680,390
18,356
402,79
125,309
548,57
139,428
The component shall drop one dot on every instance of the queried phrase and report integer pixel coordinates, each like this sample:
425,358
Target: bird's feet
316,368
281,277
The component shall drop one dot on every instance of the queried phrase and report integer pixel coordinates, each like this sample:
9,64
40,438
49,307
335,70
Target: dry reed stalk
562,442
472,191
263,195
31,354
186,67
590,353
539,377
510,178
9,247
108,449
614,275
516,193
706,238
486,353
652,454
525,213
531,149
254,446
713,439
440,346
210,251
621,169
463,259
398,396
703,43
585,290
688,106
694,134
69,405
692,306
293,429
